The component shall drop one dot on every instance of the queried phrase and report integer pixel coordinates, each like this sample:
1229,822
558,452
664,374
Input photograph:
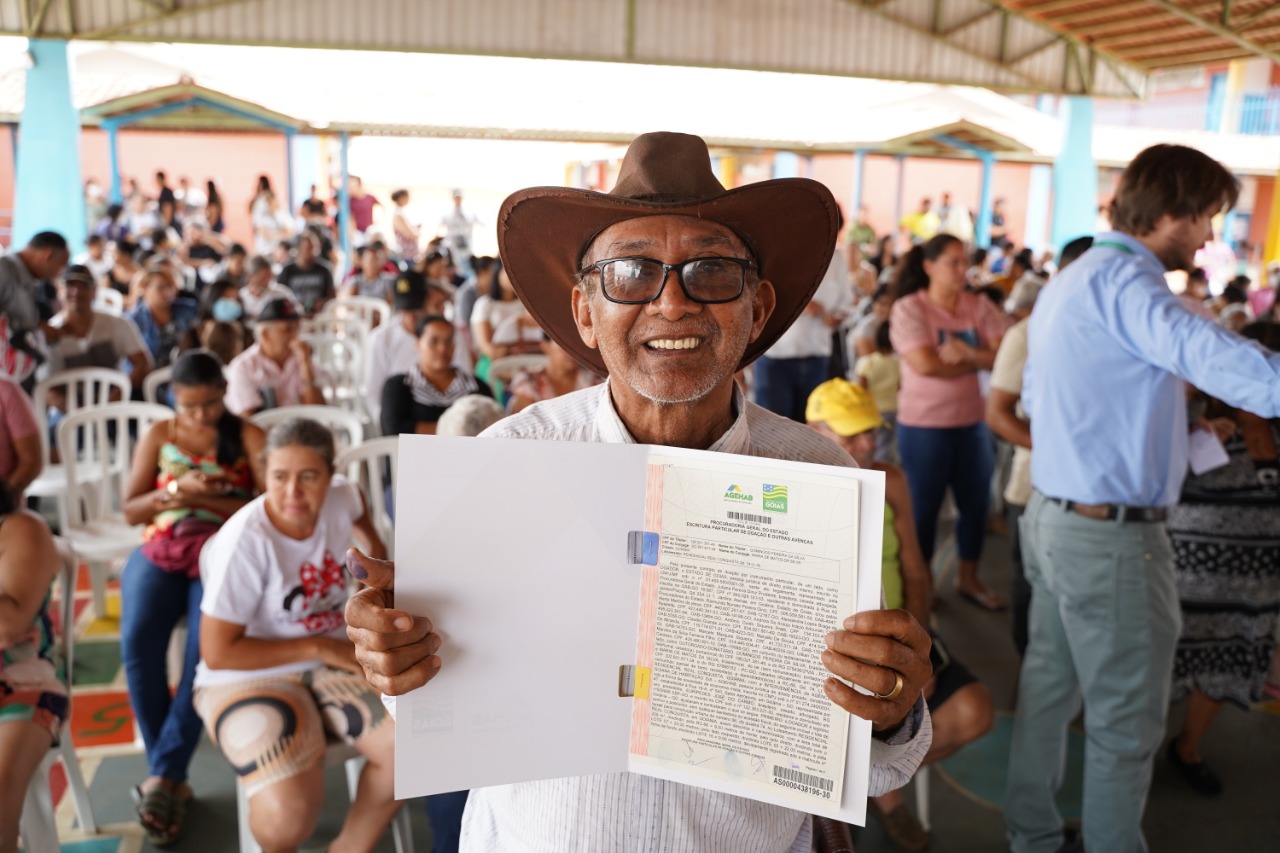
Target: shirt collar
1139,248
611,429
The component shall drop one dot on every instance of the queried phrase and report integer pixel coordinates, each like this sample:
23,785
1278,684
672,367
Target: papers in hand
1205,451
525,556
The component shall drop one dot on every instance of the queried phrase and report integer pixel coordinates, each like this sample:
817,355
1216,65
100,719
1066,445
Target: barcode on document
803,778
746,516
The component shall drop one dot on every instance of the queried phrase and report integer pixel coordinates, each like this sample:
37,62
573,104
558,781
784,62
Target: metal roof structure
186,106
497,98
1156,34
1093,47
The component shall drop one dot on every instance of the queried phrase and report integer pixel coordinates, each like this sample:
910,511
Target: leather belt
1114,512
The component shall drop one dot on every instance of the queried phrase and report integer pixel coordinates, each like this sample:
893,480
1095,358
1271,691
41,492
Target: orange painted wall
232,160
962,178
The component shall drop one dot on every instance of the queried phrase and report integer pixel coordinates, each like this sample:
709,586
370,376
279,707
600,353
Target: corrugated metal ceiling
1099,47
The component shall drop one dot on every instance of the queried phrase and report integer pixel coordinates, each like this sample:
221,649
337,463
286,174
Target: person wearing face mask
220,311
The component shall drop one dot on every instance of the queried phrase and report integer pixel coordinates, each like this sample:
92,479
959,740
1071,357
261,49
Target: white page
532,641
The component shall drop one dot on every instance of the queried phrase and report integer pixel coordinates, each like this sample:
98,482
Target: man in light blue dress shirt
1109,346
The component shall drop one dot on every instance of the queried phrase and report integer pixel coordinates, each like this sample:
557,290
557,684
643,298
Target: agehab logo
734,494
775,498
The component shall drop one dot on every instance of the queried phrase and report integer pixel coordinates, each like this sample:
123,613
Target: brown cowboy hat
789,225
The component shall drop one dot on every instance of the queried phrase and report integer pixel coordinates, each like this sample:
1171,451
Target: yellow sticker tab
644,680
634,681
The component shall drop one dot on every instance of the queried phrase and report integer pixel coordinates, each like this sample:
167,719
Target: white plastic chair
95,524
363,309
155,381
37,827
348,427
364,465
353,762
505,369
108,299
85,387
338,355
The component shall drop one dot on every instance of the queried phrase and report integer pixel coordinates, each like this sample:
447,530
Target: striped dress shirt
627,812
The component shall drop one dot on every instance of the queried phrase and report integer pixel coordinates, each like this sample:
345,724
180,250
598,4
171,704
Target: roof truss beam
1252,18
1222,32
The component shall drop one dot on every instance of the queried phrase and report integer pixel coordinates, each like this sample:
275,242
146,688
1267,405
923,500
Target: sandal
155,813
177,820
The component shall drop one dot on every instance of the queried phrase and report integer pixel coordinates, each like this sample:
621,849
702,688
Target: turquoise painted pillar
1075,173
982,228
288,171
344,196
306,166
1039,198
113,147
859,172
786,165
48,192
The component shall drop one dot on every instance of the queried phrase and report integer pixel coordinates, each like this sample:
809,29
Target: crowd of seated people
927,391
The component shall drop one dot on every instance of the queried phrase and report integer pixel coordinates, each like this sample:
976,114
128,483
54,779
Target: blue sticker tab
642,548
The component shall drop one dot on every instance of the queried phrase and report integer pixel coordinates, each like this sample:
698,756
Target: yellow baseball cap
847,408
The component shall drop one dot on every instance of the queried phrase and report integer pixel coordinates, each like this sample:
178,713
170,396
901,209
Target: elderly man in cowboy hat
669,284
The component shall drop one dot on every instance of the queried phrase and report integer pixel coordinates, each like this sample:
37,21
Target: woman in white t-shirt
278,673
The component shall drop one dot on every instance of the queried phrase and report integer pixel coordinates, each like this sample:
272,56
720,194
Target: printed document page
755,564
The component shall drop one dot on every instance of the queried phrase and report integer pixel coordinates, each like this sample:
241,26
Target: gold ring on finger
895,692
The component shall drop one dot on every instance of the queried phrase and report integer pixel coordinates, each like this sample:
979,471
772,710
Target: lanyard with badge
1111,244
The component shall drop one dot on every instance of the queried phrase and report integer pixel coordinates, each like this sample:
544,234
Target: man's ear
581,305
762,307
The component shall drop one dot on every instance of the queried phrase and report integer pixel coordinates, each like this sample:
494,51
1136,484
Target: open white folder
530,557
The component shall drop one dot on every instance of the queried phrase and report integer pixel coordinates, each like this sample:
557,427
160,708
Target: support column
1039,192
288,172
1271,247
982,228
897,197
49,195
859,174
786,165
344,197
1233,98
1075,173
113,147
309,166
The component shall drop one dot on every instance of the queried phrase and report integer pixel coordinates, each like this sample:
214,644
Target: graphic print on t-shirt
318,602
969,336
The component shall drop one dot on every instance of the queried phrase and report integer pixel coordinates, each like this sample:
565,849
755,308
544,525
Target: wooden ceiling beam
1218,30
1109,11
1177,59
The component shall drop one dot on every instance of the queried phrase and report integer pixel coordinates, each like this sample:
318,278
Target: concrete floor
1243,747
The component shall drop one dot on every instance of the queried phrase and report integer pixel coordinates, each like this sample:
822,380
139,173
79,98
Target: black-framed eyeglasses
637,281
